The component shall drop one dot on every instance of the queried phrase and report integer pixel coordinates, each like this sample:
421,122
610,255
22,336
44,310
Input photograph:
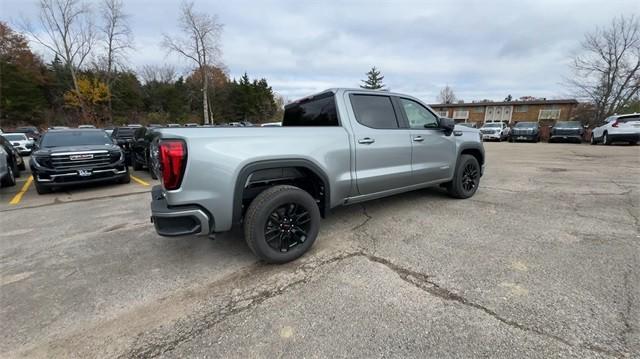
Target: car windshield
526,125
75,138
15,137
492,125
568,124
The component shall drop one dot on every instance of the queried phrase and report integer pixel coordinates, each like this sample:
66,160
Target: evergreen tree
373,81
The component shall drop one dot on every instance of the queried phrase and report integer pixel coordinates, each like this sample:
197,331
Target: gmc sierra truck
337,147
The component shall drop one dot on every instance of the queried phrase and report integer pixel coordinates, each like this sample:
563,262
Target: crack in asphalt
150,345
153,344
366,220
423,282
626,312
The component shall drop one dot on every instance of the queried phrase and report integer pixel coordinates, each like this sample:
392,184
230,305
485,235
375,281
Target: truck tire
41,189
466,178
281,224
10,179
137,166
125,179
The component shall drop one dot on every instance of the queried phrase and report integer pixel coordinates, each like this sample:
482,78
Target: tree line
89,81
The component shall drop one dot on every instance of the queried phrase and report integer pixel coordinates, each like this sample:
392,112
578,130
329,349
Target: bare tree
200,43
607,70
116,39
155,73
446,95
68,33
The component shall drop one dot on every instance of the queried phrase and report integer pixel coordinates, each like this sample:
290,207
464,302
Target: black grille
487,132
80,160
560,131
524,131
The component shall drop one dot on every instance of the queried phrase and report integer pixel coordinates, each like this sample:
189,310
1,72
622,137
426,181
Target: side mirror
447,125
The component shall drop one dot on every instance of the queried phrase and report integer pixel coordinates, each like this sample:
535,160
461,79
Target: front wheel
466,178
605,139
593,140
281,224
41,189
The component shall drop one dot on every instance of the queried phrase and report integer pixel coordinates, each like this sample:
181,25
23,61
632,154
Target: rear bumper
627,137
172,221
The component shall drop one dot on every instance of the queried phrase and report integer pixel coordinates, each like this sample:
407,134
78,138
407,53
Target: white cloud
481,49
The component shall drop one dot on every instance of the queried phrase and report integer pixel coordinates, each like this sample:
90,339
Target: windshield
75,138
15,137
526,124
492,125
568,124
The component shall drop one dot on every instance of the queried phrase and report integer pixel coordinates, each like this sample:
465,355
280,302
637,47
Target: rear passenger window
317,111
374,111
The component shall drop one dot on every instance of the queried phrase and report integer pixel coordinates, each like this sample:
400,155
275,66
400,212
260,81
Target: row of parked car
617,128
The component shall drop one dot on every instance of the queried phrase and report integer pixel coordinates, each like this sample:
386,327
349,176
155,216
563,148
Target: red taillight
172,155
615,124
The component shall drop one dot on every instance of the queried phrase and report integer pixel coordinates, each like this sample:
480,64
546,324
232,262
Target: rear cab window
374,111
316,111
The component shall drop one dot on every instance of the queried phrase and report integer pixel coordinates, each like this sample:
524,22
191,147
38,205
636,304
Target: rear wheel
137,166
281,224
466,178
10,179
593,140
605,139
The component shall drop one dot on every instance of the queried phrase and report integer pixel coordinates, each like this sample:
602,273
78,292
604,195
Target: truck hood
51,150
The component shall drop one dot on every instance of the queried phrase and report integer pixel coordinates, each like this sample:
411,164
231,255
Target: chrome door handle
418,139
366,141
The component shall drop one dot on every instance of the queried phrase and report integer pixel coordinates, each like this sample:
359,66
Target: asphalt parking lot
544,261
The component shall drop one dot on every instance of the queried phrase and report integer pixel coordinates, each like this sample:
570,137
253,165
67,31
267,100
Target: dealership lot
543,261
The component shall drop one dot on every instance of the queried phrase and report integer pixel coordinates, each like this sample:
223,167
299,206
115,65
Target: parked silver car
338,147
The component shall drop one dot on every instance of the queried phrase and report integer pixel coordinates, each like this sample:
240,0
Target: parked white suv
20,141
618,128
494,131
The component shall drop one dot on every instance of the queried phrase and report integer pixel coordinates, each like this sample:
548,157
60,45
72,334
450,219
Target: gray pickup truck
337,147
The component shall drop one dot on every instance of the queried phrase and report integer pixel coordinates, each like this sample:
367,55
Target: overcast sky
482,49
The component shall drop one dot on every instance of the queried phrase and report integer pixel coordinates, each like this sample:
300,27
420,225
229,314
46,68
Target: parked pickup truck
337,147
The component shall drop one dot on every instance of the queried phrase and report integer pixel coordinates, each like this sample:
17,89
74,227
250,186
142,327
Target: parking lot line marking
18,197
140,181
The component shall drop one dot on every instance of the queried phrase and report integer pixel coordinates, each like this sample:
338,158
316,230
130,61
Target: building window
443,113
479,109
549,114
522,108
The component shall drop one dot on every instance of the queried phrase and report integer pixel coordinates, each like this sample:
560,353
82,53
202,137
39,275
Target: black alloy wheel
287,227
470,177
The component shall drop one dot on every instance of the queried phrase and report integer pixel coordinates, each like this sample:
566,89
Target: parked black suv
124,138
140,150
78,156
525,131
566,131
